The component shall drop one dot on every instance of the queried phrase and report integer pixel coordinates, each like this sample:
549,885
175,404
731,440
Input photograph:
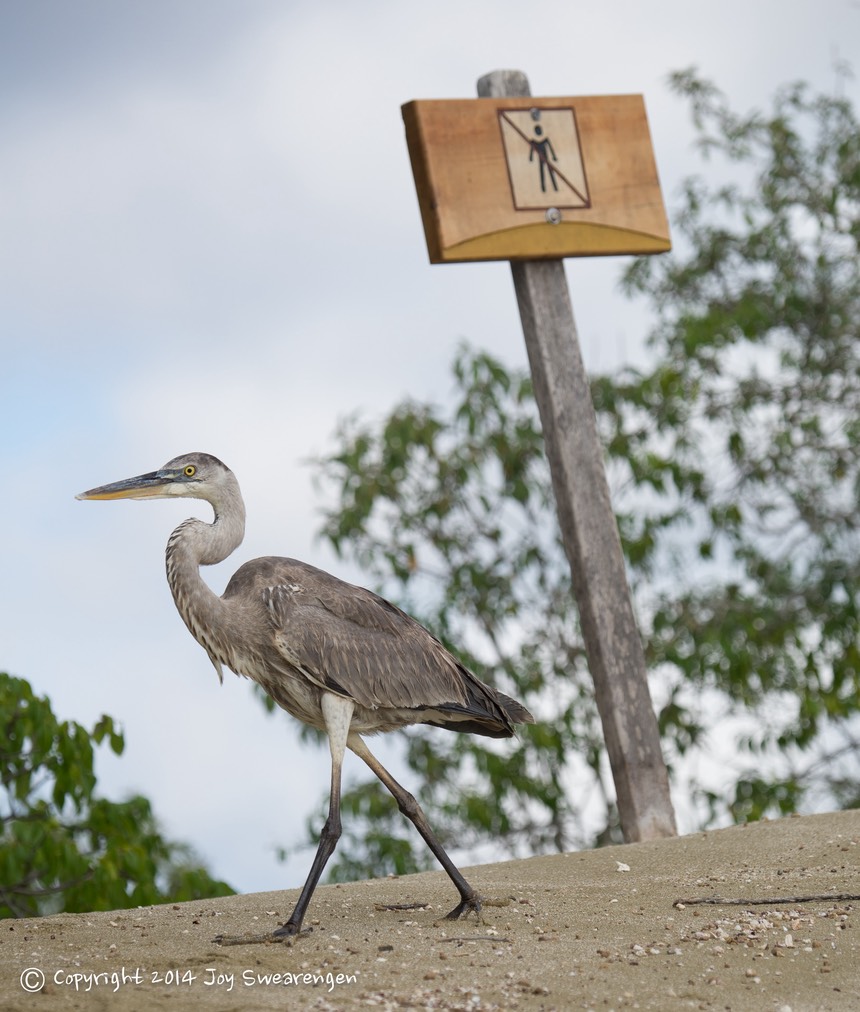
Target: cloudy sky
209,240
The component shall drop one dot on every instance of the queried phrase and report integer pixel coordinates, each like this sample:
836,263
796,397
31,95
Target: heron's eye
190,471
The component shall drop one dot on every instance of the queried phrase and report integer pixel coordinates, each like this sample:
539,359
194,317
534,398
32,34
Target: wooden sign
535,178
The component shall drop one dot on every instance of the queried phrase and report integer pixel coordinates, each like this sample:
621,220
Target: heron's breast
287,687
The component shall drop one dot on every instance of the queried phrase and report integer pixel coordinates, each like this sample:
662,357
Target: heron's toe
283,934
289,930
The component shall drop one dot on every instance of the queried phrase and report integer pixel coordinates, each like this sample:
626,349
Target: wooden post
590,533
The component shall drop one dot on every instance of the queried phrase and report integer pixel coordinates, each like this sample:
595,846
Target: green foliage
735,466
62,846
758,374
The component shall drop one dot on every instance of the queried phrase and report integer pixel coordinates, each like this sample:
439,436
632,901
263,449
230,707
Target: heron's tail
516,712
488,712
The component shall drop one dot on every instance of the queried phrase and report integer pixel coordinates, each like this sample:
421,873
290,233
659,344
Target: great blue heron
336,656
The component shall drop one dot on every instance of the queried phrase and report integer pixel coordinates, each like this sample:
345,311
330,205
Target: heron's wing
351,641
363,647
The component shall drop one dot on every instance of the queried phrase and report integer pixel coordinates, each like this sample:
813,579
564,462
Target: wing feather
363,646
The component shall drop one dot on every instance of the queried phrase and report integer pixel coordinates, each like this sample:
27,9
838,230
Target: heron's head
195,475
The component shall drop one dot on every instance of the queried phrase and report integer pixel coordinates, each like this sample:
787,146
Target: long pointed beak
154,485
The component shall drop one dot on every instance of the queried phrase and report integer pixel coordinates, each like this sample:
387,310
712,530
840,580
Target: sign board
535,178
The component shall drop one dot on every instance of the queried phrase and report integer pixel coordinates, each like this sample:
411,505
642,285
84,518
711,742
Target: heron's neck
194,544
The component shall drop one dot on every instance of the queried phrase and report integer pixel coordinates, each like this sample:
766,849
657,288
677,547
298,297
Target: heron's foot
282,935
468,904
289,930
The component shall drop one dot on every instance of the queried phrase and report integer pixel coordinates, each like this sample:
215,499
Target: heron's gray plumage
334,655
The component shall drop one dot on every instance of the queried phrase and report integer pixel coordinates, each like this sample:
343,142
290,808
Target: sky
210,240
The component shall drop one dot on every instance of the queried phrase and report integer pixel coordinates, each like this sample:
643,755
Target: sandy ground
593,930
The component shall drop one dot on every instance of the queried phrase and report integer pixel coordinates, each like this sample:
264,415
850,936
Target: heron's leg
337,713
407,804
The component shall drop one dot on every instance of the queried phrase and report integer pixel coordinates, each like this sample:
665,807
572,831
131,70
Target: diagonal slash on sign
558,172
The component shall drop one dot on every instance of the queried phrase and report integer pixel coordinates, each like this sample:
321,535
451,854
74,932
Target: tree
735,464
758,373
63,847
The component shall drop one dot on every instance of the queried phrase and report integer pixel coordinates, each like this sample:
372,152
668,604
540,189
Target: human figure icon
543,149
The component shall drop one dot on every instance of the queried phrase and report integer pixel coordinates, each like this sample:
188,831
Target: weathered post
590,533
